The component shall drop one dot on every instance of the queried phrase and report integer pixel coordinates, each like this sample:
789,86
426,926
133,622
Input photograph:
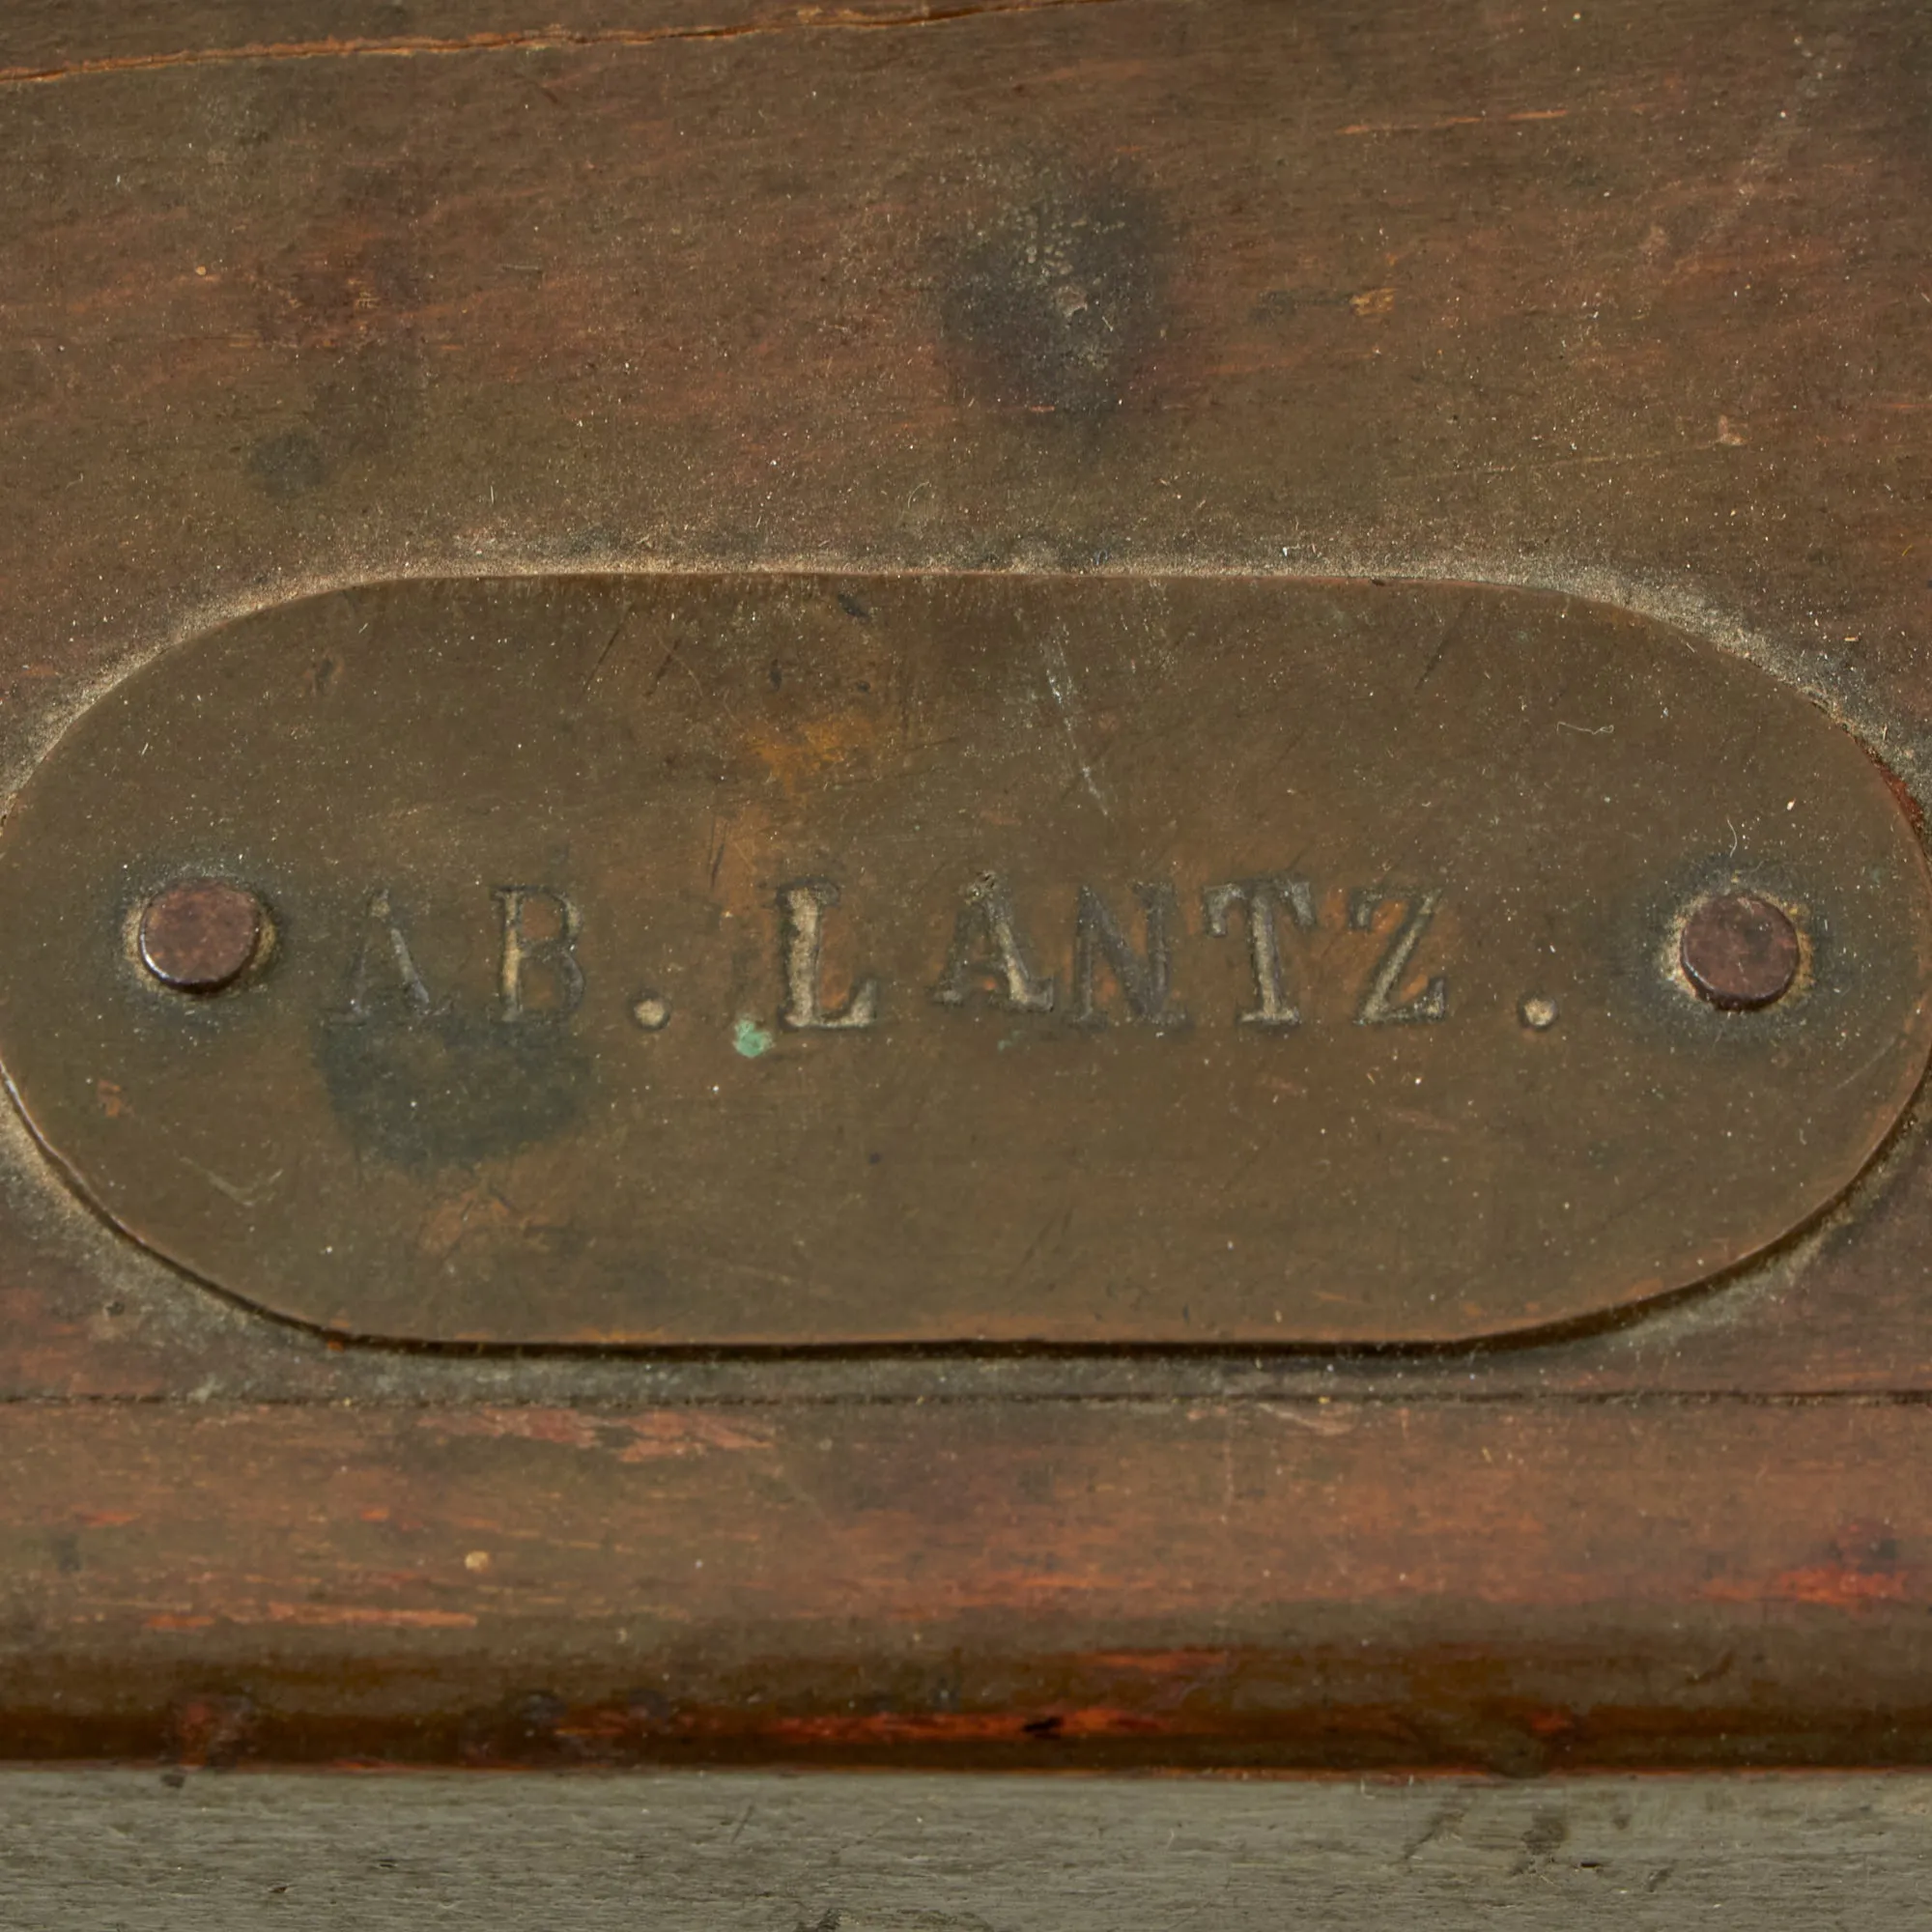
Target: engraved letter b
538,977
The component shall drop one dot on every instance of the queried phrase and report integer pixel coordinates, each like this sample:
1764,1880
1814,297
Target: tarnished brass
200,935
791,960
1740,952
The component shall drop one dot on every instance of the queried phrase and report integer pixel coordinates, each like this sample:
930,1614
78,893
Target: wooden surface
1519,1588
1628,305
1628,300
936,1854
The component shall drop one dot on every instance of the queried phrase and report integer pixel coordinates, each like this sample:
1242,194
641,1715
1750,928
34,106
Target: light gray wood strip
127,1851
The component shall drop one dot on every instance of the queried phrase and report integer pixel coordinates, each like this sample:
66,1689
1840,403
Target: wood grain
1517,1586
1628,300
1623,303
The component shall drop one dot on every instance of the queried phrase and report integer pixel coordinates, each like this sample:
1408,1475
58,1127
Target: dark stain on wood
1053,301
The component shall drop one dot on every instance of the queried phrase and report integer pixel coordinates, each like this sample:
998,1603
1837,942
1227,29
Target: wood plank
746,1852
1516,1586
1621,303
1625,300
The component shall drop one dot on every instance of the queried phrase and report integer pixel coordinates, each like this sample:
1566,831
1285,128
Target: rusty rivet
1739,950
201,934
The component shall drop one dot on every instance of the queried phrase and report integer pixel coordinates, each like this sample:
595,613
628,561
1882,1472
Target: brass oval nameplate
793,960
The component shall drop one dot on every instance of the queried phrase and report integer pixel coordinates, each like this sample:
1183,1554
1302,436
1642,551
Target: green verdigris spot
749,1038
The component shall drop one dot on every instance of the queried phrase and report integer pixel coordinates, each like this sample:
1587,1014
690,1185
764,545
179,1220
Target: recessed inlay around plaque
793,960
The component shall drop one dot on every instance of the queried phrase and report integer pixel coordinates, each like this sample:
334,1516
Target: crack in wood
534,40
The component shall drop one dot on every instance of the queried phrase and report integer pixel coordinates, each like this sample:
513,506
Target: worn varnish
1518,1587
1624,306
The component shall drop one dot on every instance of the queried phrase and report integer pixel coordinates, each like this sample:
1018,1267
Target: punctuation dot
1538,1012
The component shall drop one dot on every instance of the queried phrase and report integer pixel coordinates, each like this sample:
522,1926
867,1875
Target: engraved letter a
988,947
385,975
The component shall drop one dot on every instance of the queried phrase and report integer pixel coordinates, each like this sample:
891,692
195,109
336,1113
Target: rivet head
1739,950
200,935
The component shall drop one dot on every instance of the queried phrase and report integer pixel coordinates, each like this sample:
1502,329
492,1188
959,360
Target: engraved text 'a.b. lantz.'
1124,958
